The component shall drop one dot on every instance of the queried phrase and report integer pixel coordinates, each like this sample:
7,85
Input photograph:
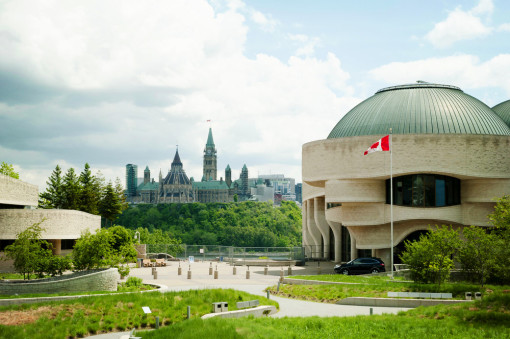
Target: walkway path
168,277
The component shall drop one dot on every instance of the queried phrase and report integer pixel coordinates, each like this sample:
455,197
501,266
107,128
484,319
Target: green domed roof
503,110
420,108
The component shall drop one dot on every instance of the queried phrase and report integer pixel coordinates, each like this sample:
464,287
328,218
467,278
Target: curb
394,302
256,312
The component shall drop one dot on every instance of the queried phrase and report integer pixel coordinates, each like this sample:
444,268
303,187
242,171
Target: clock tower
210,168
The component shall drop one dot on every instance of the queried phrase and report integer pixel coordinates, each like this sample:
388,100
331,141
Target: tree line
245,224
483,253
84,192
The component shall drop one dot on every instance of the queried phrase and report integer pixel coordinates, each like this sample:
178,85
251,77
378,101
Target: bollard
179,270
189,273
155,275
153,270
371,311
189,312
210,269
157,323
268,294
289,271
319,267
234,271
265,269
248,273
216,274
281,273
278,287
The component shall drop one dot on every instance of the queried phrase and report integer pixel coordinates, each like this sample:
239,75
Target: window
424,190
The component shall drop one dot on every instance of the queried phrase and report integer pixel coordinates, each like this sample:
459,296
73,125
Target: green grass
372,287
487,319
120,312
121,289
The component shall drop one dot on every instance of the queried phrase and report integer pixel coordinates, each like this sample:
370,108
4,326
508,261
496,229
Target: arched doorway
397,250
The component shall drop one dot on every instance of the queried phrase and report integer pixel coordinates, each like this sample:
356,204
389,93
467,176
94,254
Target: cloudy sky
125,81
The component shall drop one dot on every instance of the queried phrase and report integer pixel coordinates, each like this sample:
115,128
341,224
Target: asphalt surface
169,280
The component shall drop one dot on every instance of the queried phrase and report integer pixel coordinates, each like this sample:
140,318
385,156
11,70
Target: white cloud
504,27
135,78
483,7
465,71
458,26
265,22
306,44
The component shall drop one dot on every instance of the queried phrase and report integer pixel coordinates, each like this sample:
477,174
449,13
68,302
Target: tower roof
146,169
228,168
177,159
421,108
503,110
210,141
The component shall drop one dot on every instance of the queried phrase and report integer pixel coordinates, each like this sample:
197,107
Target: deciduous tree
8,170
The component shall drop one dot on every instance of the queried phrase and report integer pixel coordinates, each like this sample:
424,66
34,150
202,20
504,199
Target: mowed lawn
372,287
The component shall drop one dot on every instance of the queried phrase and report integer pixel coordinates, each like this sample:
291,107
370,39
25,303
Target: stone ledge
391,302
291,281
256,312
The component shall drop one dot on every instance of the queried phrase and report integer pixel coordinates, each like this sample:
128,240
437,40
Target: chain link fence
227,253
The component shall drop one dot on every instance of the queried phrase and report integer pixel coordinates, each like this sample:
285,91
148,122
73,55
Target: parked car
361,266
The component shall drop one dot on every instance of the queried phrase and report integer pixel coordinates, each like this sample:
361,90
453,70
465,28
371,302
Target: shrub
134,282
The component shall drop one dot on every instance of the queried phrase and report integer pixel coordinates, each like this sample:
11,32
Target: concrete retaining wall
391,302
256,312
314,282
102,280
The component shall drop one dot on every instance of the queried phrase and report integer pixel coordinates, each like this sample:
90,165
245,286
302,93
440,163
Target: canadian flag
382,144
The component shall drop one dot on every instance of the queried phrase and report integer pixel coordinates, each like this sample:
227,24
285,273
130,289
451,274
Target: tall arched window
424,190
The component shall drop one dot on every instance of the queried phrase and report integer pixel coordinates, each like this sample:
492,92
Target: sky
125,81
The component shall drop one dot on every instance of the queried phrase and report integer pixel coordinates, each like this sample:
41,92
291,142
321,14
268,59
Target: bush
134,282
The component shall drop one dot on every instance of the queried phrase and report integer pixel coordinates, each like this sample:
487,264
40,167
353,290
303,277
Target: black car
361,266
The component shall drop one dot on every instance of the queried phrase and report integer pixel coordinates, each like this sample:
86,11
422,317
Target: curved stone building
450,161
18,210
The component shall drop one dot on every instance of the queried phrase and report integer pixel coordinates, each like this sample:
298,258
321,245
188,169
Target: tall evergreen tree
53,197
90,191
71,190
110,206
119,190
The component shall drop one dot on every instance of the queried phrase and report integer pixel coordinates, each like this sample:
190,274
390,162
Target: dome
421,108
503,110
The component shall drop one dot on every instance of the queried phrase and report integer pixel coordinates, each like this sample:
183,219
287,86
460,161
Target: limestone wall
58,224
101,280
17,192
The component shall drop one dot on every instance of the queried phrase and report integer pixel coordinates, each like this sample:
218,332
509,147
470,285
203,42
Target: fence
227,253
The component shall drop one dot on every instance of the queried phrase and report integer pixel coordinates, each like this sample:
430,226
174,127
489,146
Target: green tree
430,258
500,218
89,191
8,169
28,251
478,254
71,190
110,206
93,250
119,190
53,197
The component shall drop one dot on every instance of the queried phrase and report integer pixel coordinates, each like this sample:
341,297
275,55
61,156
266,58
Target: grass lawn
489,318
118,312
122,288
372,287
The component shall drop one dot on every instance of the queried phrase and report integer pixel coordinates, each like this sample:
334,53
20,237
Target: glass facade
424,190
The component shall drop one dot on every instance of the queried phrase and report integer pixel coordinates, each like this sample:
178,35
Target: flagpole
391,199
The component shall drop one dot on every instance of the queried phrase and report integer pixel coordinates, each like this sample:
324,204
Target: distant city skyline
125,81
